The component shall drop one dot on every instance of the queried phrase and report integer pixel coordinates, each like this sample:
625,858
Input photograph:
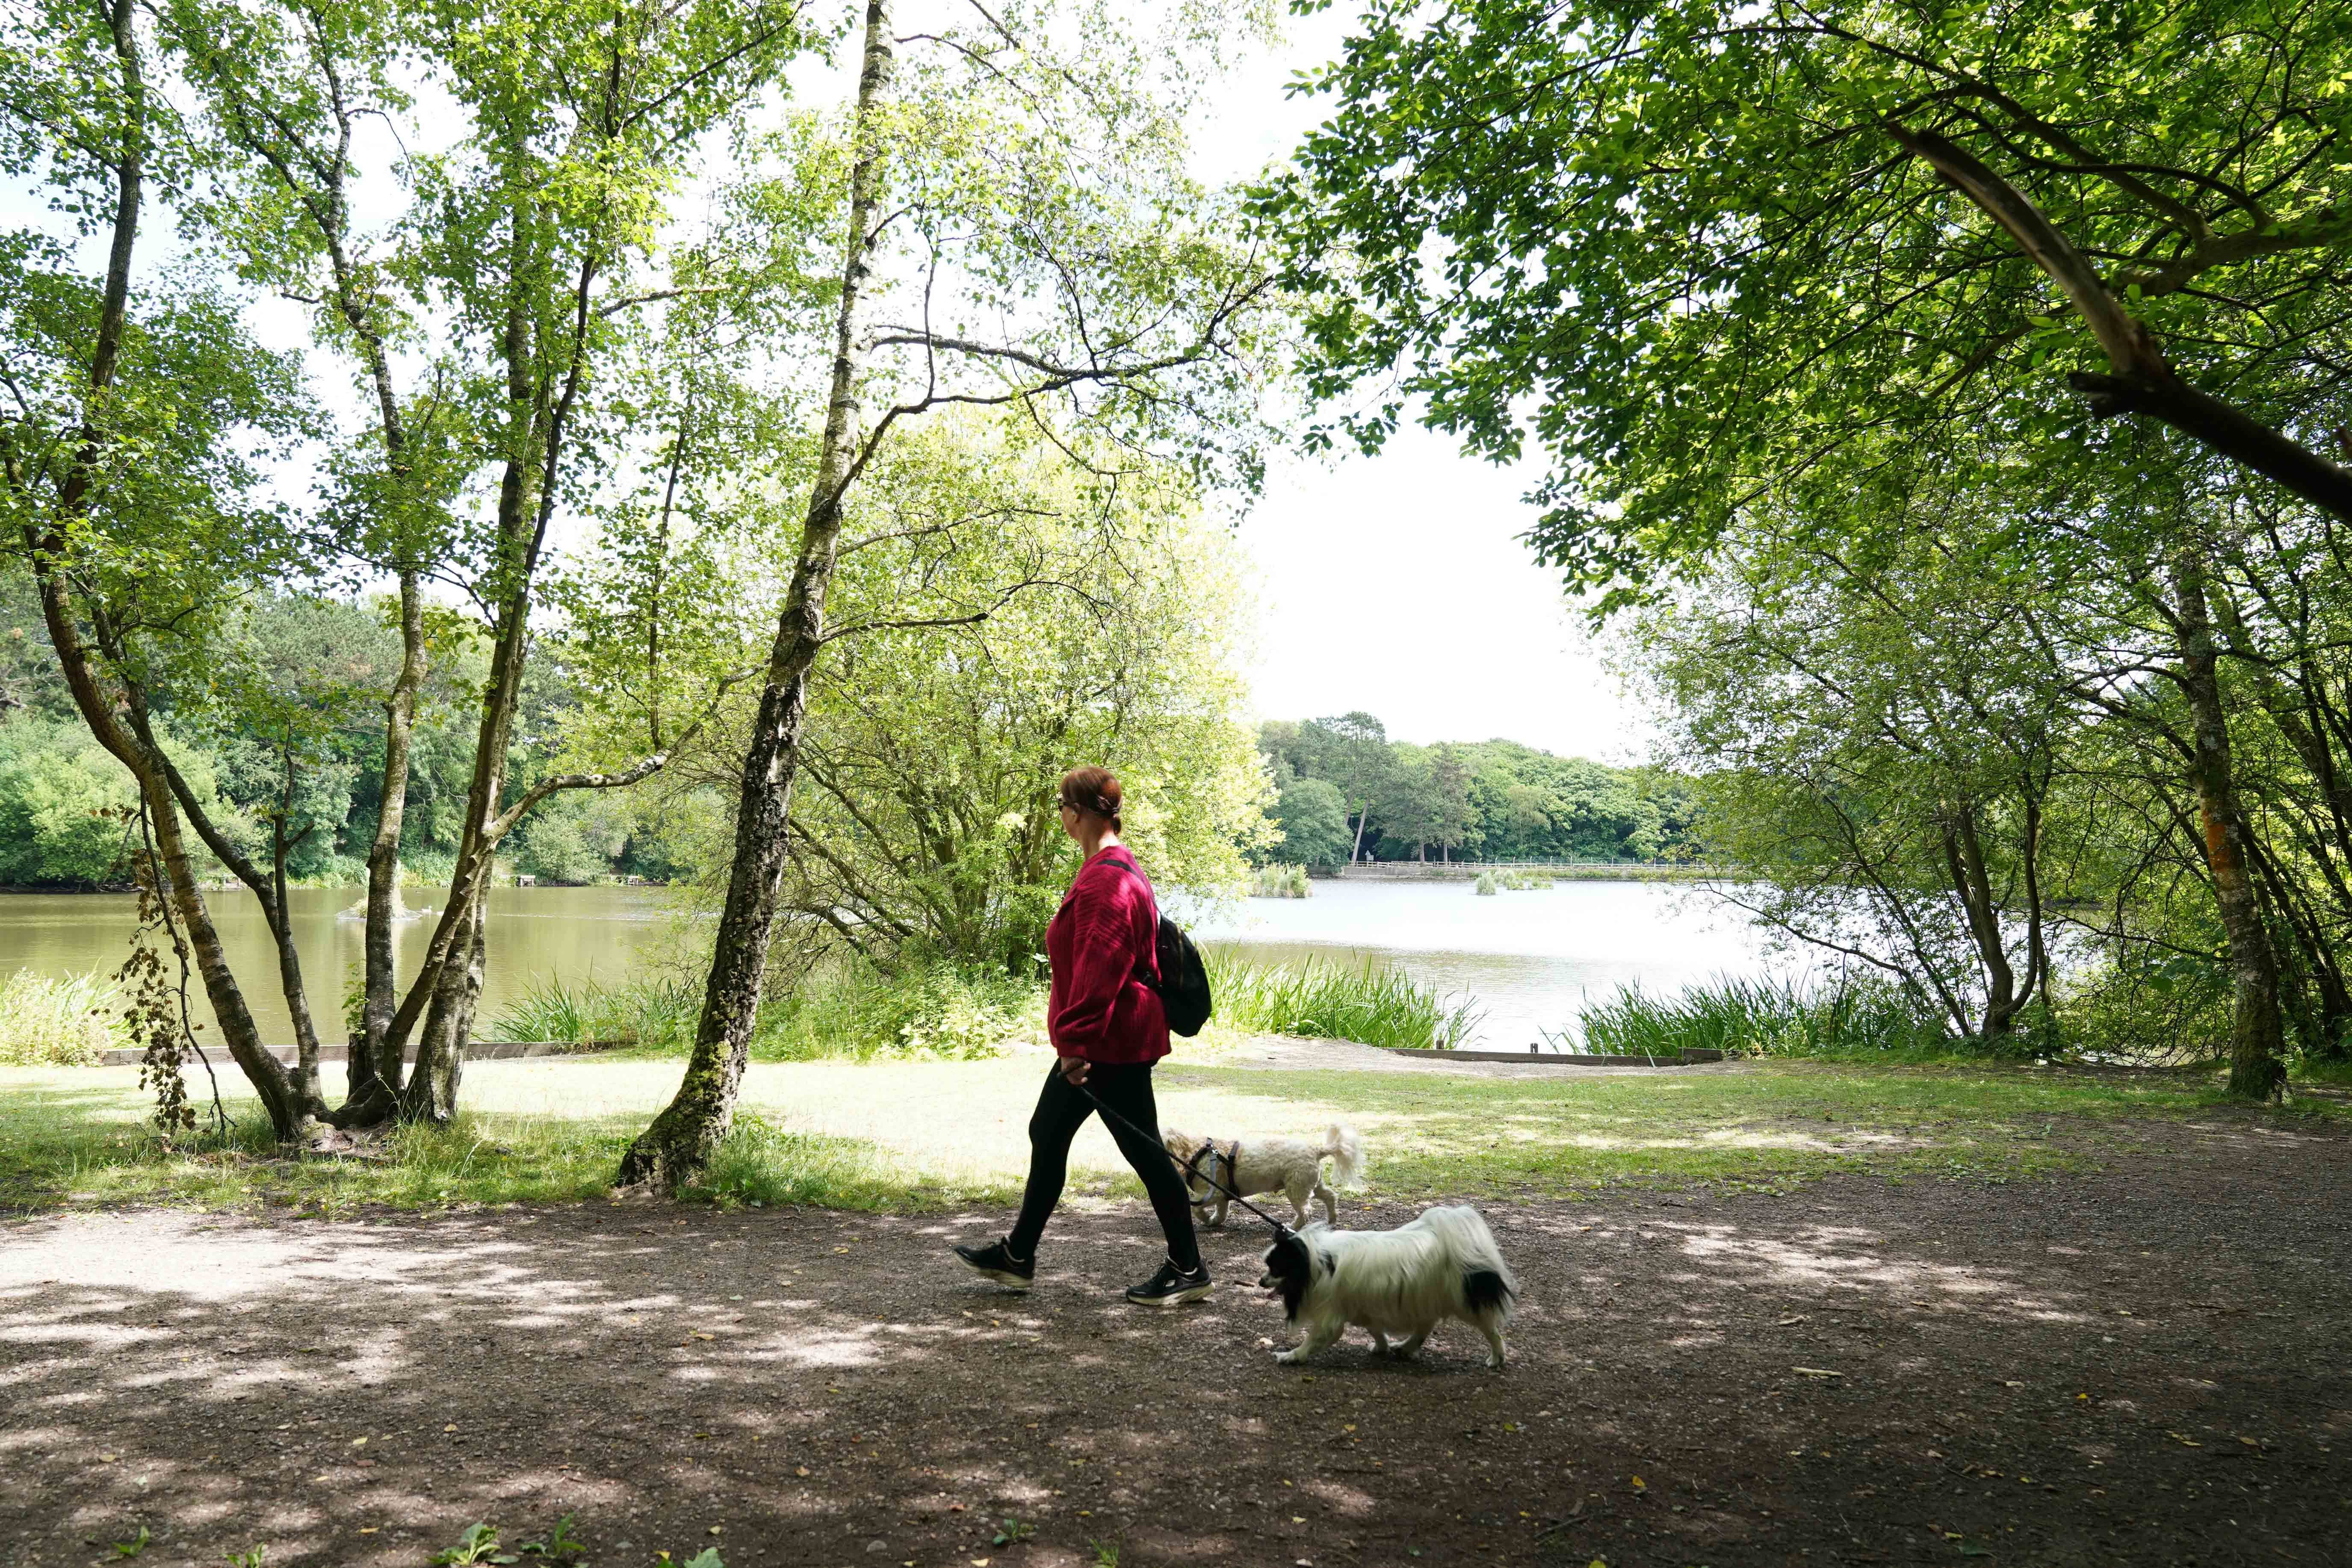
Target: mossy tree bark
2257,1039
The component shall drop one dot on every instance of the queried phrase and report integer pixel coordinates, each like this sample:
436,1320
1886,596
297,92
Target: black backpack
1183,985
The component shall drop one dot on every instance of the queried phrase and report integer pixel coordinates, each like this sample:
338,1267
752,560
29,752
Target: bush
1373,1004
1281,882
851,1007
1488,886
47,1022
1854,1018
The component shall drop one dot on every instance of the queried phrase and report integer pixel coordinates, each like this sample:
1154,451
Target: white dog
1251,1166
1405,1281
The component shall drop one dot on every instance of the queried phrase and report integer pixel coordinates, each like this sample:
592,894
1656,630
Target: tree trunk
679,1143
2257,1040
1964,859
1363,814
431,1092
374,1074
47,546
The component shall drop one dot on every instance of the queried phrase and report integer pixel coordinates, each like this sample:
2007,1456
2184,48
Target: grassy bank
930,1135
859,1013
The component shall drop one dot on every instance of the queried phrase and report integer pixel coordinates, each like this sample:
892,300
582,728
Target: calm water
1531,958
579,933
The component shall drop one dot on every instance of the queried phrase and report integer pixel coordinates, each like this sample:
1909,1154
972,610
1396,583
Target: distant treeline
1348,793
58,787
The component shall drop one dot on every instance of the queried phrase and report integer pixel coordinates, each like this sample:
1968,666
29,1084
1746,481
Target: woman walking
1107,1027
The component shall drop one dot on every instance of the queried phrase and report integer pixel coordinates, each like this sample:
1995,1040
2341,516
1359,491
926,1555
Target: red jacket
1104,951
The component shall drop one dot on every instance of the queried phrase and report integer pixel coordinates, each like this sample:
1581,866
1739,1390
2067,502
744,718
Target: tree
529,248
1352,751
1015,231
926,824
1698,237
1733,258
1313,817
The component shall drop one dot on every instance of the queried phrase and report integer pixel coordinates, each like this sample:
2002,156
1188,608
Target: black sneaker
1172,1287
999,1264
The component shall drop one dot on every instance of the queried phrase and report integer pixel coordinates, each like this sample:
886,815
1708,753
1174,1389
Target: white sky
1397,583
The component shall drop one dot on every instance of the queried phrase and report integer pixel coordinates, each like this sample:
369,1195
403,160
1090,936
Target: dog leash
1280,1229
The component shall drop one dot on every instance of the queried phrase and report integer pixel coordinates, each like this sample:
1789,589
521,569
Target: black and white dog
1404,1282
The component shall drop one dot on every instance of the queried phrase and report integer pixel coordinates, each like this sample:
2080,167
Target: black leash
1280,1229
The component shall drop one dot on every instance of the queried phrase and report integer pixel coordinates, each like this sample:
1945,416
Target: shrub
852,1008
1488,886
48,1022
1281,882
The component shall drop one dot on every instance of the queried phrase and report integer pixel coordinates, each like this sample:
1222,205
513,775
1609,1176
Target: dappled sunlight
813,1380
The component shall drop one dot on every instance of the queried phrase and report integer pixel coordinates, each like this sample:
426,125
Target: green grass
1371,1003
48,1022
928,1135
1755,1017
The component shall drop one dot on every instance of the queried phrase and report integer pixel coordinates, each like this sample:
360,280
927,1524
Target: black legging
1062,1109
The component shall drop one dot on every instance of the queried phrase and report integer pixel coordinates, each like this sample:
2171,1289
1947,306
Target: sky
1397,583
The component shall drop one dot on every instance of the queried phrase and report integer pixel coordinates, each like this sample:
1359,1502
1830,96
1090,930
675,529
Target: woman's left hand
1075,1070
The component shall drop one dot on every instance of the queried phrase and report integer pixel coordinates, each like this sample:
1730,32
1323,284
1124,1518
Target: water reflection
579,933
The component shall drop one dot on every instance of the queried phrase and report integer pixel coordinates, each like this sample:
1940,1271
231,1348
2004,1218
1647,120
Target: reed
645,1010
50,1021
1744,1017
1281,882
1370,1004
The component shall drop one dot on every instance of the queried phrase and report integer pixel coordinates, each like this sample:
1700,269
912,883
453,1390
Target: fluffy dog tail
1345,1152
1487,1283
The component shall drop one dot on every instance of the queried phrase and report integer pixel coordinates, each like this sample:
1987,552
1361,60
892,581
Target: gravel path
2145,1364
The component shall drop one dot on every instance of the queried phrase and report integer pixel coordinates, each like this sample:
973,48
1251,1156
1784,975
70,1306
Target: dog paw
1286,1357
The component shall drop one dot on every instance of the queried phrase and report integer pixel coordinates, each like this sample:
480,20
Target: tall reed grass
1748,1016
50,1021
644,1010
1281,882
1373,1004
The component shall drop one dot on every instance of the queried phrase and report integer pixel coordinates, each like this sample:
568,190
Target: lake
579,933
1531,958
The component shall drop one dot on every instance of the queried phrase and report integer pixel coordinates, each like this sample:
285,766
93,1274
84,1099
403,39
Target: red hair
1095,792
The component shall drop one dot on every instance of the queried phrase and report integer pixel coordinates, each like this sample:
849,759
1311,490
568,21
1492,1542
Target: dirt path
2143,1365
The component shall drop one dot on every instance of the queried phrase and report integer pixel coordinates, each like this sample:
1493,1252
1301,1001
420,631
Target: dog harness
1208,1151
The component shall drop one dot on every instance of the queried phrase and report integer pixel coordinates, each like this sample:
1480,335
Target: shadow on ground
2139,1366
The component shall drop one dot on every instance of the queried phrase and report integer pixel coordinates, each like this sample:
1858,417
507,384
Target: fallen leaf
1640,1485
1298,1518
358,1442
714,1530
108,1458
1350,1426
369,1529
800,1470
451,1427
